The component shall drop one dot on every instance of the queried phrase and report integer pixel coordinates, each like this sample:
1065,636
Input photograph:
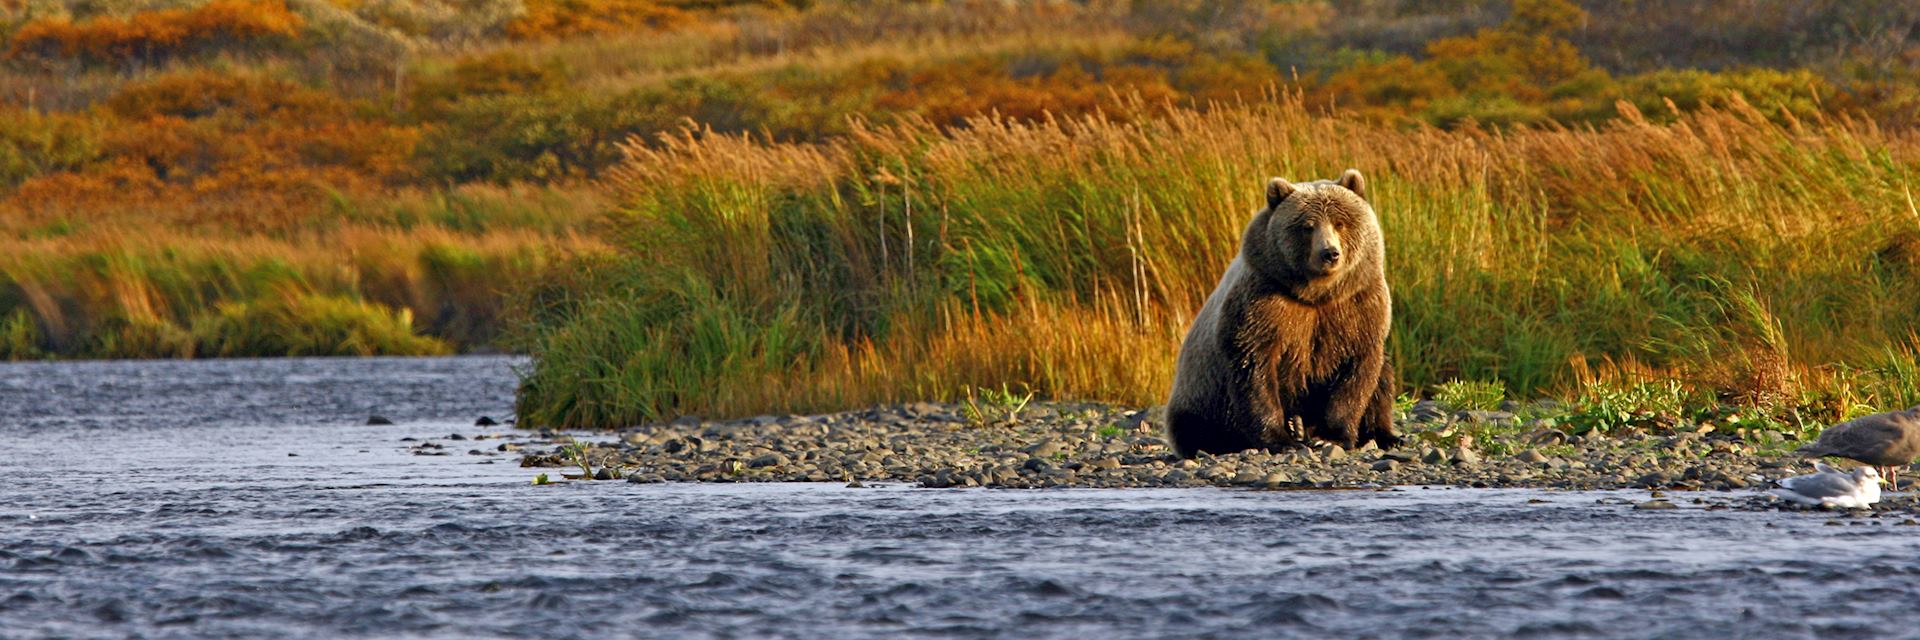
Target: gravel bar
1104,446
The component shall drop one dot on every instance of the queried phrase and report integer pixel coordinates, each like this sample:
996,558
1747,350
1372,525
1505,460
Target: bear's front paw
1290,431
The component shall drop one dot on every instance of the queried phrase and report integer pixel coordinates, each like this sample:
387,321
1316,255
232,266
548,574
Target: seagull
1889,440
1832,487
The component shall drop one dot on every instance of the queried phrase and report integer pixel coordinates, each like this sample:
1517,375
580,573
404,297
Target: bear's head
1313,237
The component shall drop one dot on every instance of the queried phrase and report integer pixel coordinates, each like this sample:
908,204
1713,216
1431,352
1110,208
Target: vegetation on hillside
738,206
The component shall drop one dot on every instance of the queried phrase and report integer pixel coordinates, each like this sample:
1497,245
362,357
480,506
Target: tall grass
1734,252
112,293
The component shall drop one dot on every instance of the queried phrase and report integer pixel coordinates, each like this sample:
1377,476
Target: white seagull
1832,487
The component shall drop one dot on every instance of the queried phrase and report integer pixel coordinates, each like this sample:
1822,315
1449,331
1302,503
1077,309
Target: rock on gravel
767,460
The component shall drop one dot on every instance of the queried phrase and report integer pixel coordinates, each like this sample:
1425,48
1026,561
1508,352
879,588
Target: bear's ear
1354,182
1278,189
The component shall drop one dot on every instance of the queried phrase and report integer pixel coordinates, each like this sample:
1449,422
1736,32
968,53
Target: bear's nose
1330,255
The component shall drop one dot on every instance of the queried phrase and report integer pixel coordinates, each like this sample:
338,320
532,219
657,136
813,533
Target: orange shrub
242,149
566,18
34,144
203,93
1227,79
496,74
1399,82
114,182
174,148
952,92
156,35
1507,74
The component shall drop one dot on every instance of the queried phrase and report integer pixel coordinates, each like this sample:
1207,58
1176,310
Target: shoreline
1091,445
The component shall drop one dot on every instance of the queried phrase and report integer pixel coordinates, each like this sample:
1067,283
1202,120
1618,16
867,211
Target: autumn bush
159,35
568,18
197,94
34,144
239,150
500,73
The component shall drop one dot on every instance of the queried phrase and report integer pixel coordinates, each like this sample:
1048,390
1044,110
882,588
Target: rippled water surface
247,498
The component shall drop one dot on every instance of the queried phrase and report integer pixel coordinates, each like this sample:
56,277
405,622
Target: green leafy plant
1404,402
1639,405
20,337
576,453
985,404
1475,395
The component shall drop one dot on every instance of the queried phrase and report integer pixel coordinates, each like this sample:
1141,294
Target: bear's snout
1325,253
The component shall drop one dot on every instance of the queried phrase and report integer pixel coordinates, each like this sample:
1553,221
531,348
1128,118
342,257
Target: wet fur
1279,353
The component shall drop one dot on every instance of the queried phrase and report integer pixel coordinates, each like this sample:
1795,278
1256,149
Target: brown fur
1292,344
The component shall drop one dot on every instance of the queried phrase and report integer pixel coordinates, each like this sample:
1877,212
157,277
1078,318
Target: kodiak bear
1292,343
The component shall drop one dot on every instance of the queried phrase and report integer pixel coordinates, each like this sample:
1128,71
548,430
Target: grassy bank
1763,260
401,274
349,292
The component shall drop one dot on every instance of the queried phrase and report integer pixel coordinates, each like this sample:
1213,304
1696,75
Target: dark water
159,500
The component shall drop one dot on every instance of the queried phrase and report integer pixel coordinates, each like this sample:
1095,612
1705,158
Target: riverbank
1105,446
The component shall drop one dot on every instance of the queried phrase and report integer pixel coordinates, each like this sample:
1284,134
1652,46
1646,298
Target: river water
248,498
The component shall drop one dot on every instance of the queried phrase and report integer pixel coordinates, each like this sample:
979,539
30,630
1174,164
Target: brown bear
1292,343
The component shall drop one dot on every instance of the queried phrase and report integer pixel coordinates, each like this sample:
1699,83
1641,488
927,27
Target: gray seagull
1832,487
1889,440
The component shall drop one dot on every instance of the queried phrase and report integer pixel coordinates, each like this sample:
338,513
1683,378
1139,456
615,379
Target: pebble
1486,417
1046,448
1426,411
1546,436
